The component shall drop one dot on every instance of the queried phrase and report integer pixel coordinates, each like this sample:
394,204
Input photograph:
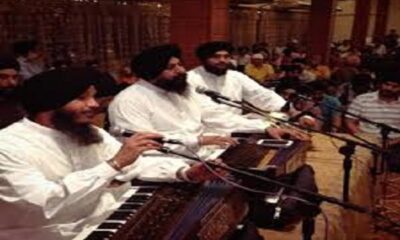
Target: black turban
51,90
153,61
8,63
208,49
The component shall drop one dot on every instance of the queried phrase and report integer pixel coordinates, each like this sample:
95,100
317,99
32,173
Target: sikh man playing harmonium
56,167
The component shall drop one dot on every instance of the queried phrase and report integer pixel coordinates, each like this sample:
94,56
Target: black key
110,225
130,206
146,190
120,215
99,235
138,198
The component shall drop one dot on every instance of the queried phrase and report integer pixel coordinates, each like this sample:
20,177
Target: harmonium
210,211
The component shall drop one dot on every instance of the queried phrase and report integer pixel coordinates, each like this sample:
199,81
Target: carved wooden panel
79,30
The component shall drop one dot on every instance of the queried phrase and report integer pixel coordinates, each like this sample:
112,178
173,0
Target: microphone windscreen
120,132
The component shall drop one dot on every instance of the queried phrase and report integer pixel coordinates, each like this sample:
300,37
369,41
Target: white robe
52,187
145,107
238,87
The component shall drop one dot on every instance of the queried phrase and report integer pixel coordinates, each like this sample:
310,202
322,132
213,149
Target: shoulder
367,97
134,94
16,137
196,72
233,74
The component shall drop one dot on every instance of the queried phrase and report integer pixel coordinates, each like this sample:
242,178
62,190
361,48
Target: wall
344,19
394,15
248,26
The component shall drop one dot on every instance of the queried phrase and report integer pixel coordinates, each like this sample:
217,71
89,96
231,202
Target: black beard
176,85
9,93
83,134
215,70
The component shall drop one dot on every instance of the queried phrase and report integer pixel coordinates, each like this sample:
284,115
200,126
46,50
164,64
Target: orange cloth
322,72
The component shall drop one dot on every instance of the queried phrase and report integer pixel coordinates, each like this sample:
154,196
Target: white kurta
51,187
145,107
236,86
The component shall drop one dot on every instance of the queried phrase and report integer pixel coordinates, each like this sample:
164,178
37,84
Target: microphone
120,132
211,93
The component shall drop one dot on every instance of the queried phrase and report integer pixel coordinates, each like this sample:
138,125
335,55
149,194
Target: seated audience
258,69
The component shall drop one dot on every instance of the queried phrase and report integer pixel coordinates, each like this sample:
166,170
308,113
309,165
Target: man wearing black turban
56,168
214,75
161,100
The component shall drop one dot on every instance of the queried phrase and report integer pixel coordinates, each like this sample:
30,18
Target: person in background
306,74
258,69
243,58
321,71
344,76
10,109
327,104
382,106
30,58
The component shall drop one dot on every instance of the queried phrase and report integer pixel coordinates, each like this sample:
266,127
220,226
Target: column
361,20
194,22
321,25
382,9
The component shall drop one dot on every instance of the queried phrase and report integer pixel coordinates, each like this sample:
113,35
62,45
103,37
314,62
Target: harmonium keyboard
211,211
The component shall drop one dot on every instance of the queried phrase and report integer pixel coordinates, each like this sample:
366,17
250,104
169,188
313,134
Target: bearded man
56,168
214,74
161,101
10,109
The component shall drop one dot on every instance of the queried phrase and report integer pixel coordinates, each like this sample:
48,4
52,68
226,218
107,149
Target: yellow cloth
260,74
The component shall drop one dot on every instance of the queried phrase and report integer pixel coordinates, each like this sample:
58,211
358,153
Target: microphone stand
317,196
347,150
384,132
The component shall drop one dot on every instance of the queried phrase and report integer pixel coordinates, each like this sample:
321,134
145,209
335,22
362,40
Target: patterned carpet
388,204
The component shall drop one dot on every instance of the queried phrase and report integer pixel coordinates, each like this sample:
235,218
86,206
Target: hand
134,146
308,122
200,173
279,133
217,140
